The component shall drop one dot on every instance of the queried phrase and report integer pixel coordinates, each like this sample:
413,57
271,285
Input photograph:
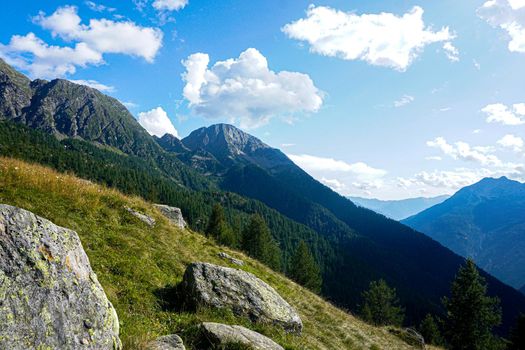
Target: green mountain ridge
352,245
483,221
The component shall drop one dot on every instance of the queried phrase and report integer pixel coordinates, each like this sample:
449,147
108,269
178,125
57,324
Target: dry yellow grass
135,263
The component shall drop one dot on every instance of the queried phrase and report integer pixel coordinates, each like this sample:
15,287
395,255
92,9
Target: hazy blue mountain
485,221
522,289
398,209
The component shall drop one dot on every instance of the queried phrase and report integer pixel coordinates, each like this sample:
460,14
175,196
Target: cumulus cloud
157,122
244,89
334,184
313,163
95,85
169,5
511,141
500,113
99,7
380,39
463,151
91,42
403,101
451,51
508,15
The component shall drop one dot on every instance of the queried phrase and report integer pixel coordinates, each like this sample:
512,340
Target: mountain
398,209
484,221
221,164
139,267
373,246
522,289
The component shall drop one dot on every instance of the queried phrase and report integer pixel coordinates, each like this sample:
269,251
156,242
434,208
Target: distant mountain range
485,221
398,209
95,137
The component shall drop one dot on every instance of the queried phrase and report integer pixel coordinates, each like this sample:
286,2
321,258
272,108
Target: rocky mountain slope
140,266
484,221
398,209
381,247
225,165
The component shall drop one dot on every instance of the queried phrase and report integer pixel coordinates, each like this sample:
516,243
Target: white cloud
47,61
244,89
129,104
98,7
451,51
380,39
477,65
508,15
313,163
500,113
286,145
95,85
334,184
157,122
511,141
437,158
403,101
463,151
91,42
169,5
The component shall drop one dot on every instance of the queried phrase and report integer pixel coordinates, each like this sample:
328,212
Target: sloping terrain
139,266
484,221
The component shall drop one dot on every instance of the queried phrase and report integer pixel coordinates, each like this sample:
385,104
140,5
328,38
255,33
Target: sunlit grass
137,264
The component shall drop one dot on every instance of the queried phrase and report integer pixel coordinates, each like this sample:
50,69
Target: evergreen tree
429,329
257,241
517,336
380,305
219,229
471,314
304,269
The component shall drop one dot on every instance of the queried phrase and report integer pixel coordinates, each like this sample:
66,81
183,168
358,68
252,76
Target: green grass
139,266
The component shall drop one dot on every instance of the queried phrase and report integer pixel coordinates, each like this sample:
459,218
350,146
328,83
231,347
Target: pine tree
257,241
219,229
304,269
517,336
471,314
380,305
429,329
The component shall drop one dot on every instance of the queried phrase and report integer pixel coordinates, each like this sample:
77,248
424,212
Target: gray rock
148,220
220,334
50,297
246,295
173,214
167,342
230,258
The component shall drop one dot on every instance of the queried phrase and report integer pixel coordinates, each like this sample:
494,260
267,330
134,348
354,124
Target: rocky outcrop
173,214
148,220
167,342
220,335
242,292
230,258
50,297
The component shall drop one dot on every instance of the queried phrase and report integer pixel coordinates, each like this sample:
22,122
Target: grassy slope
137,265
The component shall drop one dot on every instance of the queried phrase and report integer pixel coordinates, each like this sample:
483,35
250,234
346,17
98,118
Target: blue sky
385,99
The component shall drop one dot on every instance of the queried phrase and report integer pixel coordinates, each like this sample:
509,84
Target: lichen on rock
50,297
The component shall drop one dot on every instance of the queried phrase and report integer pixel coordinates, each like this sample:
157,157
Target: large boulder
167,342
50,297
246,295
219,335
173,214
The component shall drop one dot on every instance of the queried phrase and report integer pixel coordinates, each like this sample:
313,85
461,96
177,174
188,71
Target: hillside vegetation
139,266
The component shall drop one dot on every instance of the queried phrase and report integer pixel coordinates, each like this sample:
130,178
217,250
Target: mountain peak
224,138
493,187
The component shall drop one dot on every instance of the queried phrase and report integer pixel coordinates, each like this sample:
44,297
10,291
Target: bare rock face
148,220
173,214
242,292
167,342
230,258
220,335
50,297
